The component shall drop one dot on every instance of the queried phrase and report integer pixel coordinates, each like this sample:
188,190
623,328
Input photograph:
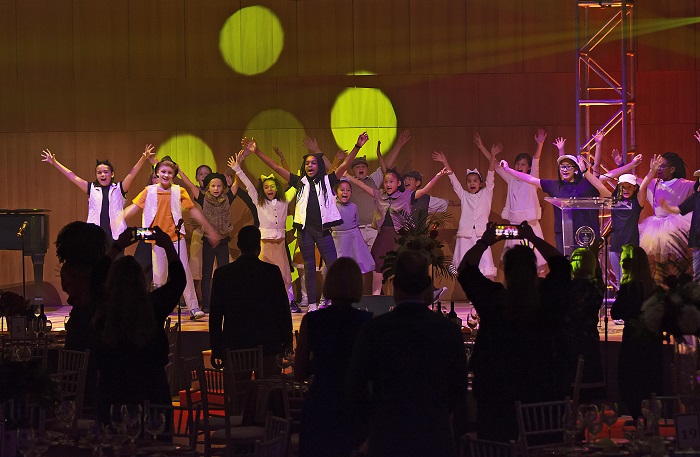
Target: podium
577,232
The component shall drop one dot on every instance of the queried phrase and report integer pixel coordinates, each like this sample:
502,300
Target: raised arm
400,143
425,189
283,160
653,171
48,157
540,136
312,145
382,162
194,190
234,163
342,168
145,157
440,157
495,150
360,184
479,144
593,179
338,159
252,146
559,143
598,138
521,176
626,168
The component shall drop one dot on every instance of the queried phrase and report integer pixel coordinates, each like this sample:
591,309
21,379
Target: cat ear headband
475,172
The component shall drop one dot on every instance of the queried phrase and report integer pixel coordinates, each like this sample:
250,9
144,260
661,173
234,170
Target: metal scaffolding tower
597,87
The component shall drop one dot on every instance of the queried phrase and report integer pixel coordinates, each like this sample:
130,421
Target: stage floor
58,316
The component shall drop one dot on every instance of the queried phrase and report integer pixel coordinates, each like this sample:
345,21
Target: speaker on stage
376,304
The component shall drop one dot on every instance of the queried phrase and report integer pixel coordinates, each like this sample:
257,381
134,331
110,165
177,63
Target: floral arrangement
418,232
674,310
27,381
12,304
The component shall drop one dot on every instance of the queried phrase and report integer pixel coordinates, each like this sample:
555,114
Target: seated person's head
249,240
583,263
343,282
81,243
519,263
411,276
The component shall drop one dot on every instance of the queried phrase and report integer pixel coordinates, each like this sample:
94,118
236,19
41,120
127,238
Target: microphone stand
20,234
179,309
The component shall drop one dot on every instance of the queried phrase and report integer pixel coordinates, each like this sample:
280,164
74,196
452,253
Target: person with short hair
249,305
408,372
324,347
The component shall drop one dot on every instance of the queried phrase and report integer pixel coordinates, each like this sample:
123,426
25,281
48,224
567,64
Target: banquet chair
578,384
270,448
32,348
71,375
276,438
540,424
171,368
294,396
181,423
472,447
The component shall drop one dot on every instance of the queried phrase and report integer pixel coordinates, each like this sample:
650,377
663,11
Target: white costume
476,209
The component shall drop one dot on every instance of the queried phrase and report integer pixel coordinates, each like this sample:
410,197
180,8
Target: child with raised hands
272,205
106,198
215,197
522,202
346,236
392,201
476,201
316,211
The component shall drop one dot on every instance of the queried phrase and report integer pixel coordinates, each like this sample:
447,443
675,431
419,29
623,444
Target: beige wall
101,78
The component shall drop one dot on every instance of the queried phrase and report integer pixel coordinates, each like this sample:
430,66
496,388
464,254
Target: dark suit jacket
417,368
249,307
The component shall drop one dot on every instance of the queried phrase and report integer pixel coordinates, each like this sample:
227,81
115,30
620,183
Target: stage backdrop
99,79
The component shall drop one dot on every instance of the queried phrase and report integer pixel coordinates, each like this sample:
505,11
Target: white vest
116,205
151,205
329,211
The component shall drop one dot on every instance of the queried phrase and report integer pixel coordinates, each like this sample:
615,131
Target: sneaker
293,307
619,321
437,293
196,314
312,307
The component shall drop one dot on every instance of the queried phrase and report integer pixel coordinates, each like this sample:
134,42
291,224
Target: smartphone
508,231
145,233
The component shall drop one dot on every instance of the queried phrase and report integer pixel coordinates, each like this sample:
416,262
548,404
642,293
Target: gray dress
348,239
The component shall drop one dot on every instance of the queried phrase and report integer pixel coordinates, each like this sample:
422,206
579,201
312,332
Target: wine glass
94,437
116,418
116,436
43,441
154,424
65,412
594,424
132,423
651,410
610,413
26,441
572,422
473,319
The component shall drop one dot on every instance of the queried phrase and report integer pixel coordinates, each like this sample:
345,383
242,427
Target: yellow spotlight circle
189,152
251,40
361,108
277,128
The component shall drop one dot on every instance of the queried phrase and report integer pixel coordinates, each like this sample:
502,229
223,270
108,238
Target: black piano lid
24,211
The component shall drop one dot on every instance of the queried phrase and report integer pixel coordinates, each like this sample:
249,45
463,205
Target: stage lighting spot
251,40
362,108
189,152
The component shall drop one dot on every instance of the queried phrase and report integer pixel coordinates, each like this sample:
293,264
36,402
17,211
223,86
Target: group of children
341,210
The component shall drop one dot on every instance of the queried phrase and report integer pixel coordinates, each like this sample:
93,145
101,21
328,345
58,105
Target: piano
34,243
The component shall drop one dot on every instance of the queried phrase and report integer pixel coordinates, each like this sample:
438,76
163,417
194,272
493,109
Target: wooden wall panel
201,103
438,39
8,39
494,37
670,97
12,110
44,39
671,48
548,36
325,37
157,39
203,24
150,104
246,97
101,38
100,104
381,36
453,100
49,105
286,11
308,98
